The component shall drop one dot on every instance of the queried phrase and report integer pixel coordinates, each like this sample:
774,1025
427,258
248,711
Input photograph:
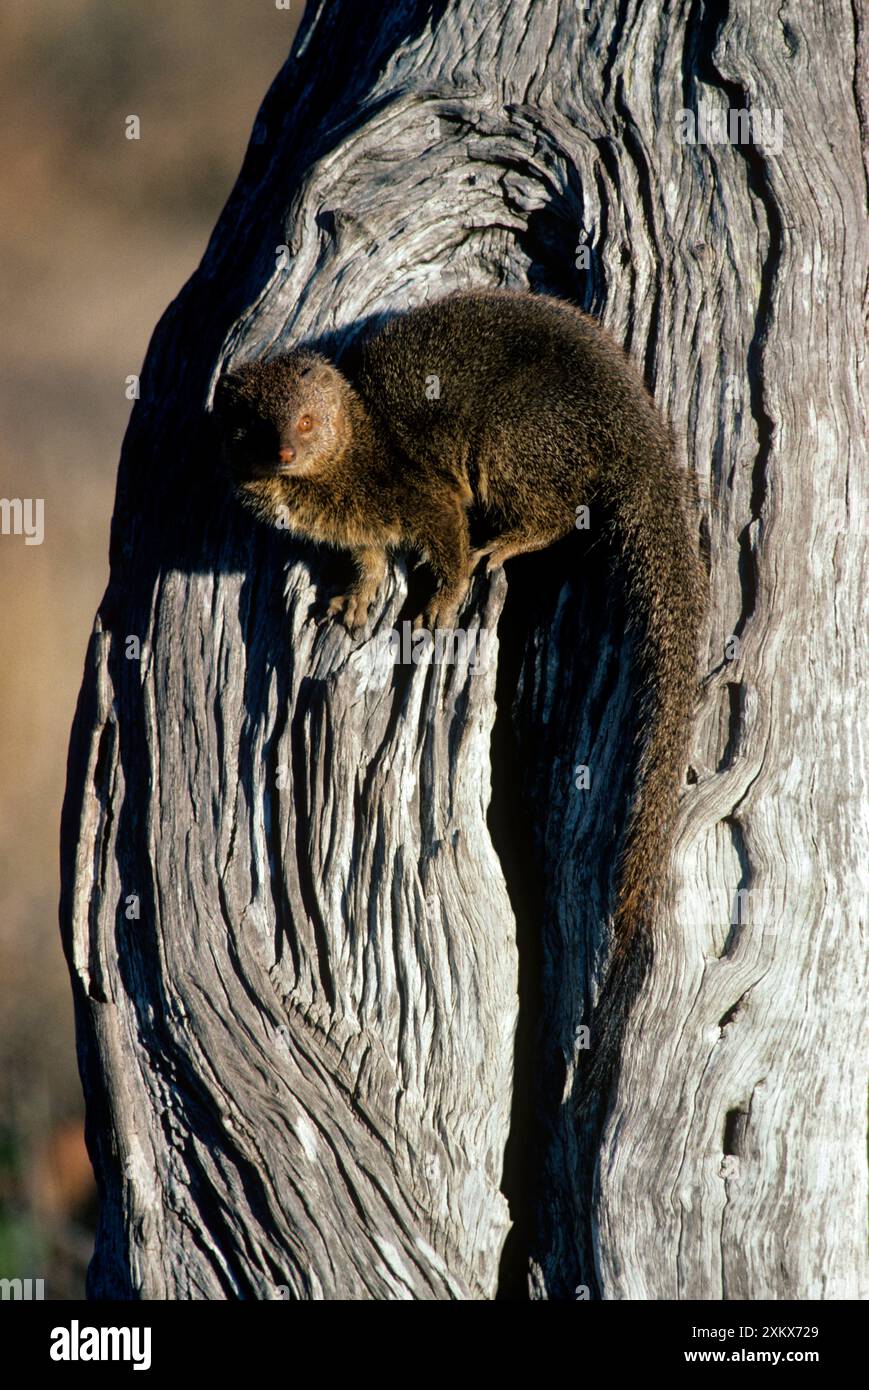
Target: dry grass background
97,235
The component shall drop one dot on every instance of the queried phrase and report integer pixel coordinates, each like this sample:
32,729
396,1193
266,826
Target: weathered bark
299,1059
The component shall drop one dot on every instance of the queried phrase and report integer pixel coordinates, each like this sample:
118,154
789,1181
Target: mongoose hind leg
352,608
447,547
510,543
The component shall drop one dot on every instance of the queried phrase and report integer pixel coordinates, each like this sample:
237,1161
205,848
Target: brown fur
538,411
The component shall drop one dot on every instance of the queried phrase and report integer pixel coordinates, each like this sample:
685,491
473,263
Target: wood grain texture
301,1060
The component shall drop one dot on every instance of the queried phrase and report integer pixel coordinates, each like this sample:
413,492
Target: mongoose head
282,419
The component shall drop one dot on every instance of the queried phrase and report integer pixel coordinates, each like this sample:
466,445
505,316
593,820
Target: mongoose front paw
350,609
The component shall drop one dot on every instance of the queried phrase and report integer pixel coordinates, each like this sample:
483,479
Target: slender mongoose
524,409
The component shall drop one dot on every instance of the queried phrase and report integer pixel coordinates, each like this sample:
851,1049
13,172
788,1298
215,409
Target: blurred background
97,234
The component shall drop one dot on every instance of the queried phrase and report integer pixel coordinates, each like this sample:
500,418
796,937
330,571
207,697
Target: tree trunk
333,925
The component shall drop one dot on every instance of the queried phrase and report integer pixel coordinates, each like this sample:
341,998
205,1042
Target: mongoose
522,408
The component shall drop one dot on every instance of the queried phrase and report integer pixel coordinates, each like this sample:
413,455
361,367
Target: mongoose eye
305,424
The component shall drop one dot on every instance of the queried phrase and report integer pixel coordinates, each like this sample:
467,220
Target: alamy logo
76,1343
22,1288
374,661
718,125
23,517
445,646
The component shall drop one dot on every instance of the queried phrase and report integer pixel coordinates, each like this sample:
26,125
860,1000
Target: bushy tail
654,523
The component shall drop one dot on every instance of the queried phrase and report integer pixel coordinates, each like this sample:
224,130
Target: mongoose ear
227,393
321,374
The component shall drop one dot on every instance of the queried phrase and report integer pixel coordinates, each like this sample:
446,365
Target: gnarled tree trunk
307,895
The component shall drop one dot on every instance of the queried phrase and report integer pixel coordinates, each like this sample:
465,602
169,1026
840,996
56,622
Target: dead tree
334,925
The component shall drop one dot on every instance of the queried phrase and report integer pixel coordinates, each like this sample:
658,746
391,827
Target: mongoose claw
437,615
350,609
